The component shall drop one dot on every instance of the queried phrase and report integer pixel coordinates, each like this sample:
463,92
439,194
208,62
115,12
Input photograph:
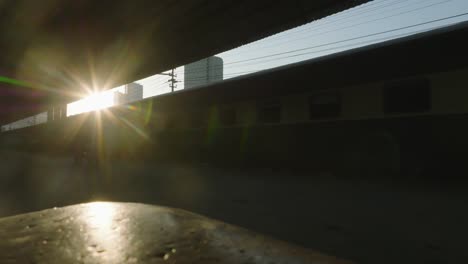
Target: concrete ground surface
368,220
109,232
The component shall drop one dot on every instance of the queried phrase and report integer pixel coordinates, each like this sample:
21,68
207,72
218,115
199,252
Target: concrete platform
104,232
366,220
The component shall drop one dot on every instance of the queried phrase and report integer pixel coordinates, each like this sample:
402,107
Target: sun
95,101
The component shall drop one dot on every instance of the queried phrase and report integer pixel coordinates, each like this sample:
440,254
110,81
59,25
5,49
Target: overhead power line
368,8
290,54
350,39
316,25
268,57
343,47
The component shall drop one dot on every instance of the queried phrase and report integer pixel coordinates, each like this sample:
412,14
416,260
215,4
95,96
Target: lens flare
95,101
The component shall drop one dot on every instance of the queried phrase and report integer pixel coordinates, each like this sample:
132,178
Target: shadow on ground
384,220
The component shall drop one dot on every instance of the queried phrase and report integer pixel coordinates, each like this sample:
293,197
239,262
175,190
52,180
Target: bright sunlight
95,101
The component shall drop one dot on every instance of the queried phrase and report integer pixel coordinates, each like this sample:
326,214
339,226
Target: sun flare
95,101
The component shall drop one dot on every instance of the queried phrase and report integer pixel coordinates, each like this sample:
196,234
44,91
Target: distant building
118,98
55,113
133,92
203,72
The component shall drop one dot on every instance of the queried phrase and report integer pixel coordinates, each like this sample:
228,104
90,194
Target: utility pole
172,81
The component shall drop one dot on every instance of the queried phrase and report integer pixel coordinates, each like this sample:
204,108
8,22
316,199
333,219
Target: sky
375,21
332,34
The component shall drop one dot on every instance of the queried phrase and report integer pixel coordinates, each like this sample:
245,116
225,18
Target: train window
407,96
269,112
228,117
325,105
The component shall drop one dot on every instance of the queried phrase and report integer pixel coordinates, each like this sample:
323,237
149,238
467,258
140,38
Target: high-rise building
133,92
203,72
